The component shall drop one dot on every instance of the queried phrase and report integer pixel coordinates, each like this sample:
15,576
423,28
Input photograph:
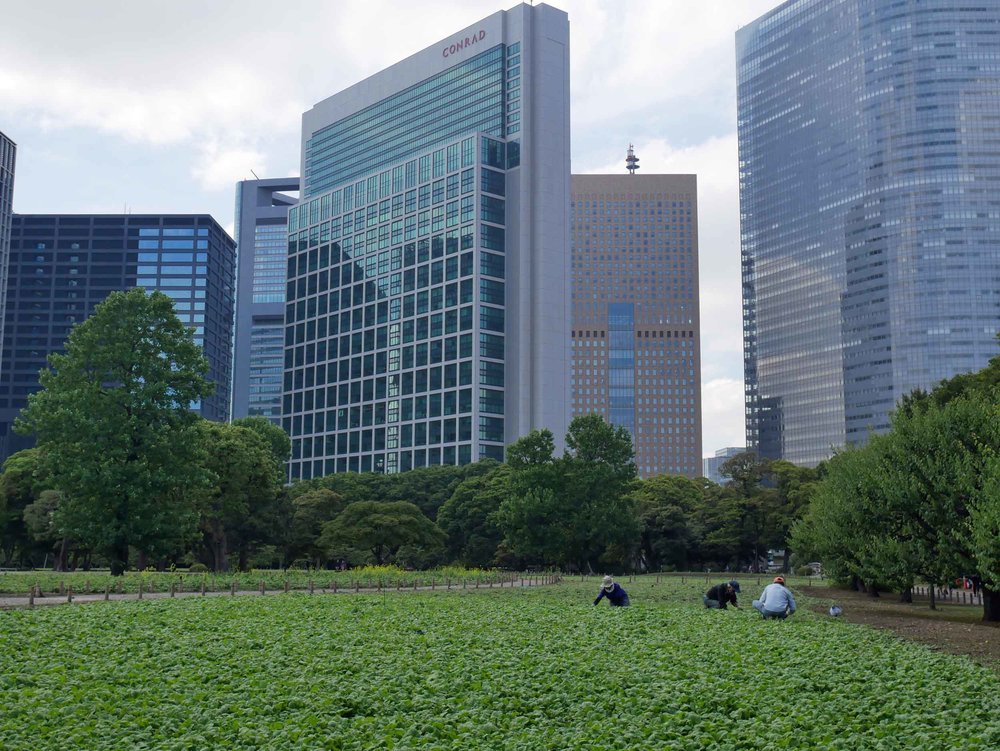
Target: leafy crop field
489,669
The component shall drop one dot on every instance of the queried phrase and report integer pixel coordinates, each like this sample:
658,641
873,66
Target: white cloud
221,166
722,414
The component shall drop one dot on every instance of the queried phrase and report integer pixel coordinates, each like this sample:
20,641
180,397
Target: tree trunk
119,558
143,563
243,560
930,588
906,595
59,564
991,604
873,590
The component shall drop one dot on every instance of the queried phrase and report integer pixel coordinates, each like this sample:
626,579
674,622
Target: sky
161,106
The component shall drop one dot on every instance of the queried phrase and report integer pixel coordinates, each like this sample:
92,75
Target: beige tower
635,325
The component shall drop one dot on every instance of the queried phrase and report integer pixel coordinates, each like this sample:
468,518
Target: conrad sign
461,44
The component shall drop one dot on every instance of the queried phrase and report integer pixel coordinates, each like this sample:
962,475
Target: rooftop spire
631,161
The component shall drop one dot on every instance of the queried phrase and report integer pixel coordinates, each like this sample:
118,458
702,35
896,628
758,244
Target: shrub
197,568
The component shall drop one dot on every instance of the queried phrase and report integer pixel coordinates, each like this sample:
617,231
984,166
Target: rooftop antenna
254,174
631,161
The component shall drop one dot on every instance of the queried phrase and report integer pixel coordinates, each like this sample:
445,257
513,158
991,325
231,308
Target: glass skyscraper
636,332
262,252
8,155
427,317
869,161
62,266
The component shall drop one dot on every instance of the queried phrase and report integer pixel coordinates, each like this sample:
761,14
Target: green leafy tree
277,439
667,506
575,510
246,480
114,429
20,486
381,529
468,518
310,511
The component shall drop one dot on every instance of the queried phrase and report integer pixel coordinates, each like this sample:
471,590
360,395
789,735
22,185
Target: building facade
427,314
62,266
8,157
711,464
636,333
262,253
870,217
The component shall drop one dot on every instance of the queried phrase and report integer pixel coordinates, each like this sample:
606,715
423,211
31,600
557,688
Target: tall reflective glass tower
261,251
427,306
869,158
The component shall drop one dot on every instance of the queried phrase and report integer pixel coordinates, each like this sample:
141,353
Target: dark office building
62,266
868,195
261,250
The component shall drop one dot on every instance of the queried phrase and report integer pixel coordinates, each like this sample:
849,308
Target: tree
380,528
277,439
115,430
310,511
666,505
20,486
574,510
246,480
468,518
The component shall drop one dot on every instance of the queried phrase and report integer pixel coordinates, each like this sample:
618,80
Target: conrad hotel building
427,307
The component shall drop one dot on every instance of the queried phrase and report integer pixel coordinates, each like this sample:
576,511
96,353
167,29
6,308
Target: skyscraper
427,314
8,155
62,266
868,164
262,253
636,332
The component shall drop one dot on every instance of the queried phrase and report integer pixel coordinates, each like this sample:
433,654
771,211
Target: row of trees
125,473
920,503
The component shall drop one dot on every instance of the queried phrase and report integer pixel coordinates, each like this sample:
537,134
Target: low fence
87,593
953,596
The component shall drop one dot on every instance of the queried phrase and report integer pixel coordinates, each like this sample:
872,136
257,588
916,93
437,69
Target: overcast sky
161,106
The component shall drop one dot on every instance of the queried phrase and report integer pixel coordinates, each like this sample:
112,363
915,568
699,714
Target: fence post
286,586
311,586
107,592
62,587
173,589
335,586
262,586
232,588
140,590
31,598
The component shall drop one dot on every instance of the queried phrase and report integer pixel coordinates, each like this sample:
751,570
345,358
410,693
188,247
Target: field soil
955,629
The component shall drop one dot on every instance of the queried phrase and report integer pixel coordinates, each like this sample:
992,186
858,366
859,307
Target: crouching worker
722,594
617,596
776,600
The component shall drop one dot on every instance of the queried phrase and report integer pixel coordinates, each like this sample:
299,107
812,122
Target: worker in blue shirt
776,600
617,596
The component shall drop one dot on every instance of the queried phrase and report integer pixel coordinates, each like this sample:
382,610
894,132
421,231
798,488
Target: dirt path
956,629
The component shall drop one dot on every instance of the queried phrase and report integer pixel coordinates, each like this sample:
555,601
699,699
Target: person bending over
617,596
722,594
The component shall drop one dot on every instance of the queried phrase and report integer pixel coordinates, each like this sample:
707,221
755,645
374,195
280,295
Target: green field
487,669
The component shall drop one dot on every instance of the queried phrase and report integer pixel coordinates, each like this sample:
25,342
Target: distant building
8,154
62,266
710,465
636,336
427,319
869,212
262,257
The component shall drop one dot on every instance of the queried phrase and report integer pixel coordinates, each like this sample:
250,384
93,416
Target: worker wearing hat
721,594
776,600
617,596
